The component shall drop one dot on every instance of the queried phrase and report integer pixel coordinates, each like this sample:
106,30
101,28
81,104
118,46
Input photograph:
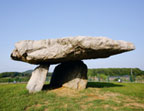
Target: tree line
115,71
16,76
100,72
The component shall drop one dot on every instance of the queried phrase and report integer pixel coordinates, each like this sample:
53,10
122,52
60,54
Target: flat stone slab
52,51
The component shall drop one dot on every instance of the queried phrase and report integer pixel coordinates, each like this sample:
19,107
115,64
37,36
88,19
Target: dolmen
69,52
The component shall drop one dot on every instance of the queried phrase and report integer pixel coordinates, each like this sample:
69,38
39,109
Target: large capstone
71,74
53,51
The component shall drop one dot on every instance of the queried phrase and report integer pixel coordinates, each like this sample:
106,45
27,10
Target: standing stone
71,74
37,79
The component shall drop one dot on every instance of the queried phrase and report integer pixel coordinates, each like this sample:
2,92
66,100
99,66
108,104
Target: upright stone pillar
71,74
37,79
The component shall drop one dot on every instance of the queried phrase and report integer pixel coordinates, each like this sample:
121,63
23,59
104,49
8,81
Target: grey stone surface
71,74
53,51
37,79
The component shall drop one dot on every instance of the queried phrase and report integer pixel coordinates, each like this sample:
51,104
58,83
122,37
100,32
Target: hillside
14,76
28,71
115,71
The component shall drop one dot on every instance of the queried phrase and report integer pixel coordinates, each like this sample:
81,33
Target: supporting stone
37,79
71,74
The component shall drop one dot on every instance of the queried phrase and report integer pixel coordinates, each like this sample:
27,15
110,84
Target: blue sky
44,19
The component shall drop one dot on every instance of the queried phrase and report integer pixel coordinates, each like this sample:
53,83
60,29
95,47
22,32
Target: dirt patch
113,96
110,94
66,92
97,94
112,107
95,97
139,105
103,96
46,109
36,106
65,106
83,106
131,102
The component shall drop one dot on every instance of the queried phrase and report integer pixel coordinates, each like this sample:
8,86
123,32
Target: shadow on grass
47,87
90,84
102,85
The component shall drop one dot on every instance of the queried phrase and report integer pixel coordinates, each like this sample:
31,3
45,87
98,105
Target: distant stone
53,51
71,74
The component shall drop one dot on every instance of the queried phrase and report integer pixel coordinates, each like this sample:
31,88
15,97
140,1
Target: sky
46,19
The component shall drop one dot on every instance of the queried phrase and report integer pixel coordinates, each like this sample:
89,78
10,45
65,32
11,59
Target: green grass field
97,97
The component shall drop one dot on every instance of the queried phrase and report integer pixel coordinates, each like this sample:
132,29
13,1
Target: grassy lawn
97,97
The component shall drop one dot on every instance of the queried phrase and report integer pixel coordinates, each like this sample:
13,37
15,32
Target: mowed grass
97,97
